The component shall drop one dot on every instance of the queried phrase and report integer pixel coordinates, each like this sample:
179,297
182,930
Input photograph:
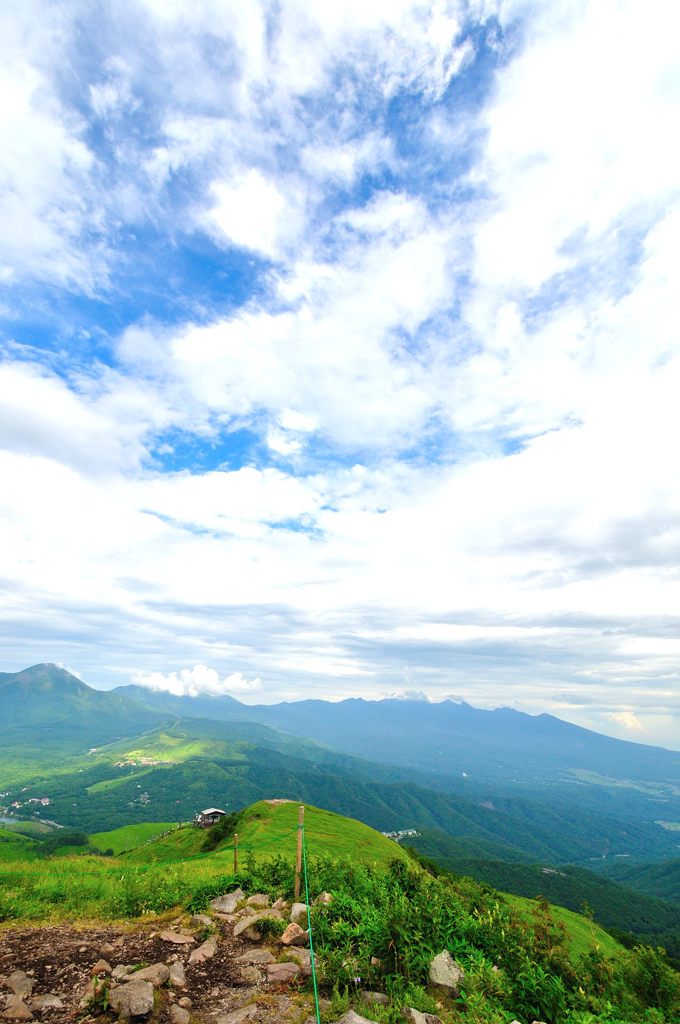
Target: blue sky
339,350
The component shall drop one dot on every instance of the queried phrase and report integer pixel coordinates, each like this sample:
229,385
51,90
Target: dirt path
59,960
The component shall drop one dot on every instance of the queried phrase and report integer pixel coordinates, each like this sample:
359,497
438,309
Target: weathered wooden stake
235,853
298,859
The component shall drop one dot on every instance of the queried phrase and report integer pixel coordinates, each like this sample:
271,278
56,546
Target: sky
340,350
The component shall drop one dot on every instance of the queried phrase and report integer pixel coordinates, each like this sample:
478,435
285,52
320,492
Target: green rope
309,926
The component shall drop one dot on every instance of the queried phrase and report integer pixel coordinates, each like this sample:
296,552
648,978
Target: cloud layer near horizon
340,353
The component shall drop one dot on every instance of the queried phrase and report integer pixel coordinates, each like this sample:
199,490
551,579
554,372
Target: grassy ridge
269,829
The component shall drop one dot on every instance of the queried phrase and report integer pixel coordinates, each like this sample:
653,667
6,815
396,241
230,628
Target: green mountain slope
661,880
651,920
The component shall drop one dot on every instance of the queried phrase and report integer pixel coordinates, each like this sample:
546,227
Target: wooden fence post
298,859
235,853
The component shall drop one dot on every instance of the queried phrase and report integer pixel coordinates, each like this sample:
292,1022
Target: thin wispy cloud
338,350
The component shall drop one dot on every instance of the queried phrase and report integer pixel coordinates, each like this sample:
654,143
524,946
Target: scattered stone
203,920
204,952
247,925
302,957
416,1017
101,967
20,984
16,1009
107,949
298,913
178,1015
256,956
324,898
446,973
185,1003
236,1016
157,974
294,935
121,971
376,998
282,972
258,899
250,975
179,938
132,1000
353,1018
177,976
279,904
226,904
47,1002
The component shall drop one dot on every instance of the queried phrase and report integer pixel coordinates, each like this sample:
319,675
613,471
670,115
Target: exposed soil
60,958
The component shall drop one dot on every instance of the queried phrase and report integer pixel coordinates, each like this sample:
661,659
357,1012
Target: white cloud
197,681
628,720
252,213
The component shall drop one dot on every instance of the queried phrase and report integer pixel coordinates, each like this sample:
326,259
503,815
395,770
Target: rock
132,1000
298,913
324,898
107,949
259,899
226,904
250,975
121,971
157,974
376,998
179,938
353,1018
294,935
20,984
47,1002
302,957
256,956
246,926
178,1015
279,904
202,919
177,976
446,973
204,952
185,1003
416,1017
16,1009
236,1016
375,962
101,967
282,972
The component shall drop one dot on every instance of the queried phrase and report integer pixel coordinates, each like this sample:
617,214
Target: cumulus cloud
382,367
197,681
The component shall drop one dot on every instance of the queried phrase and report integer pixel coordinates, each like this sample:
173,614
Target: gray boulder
298,914
204,952
353,1018
157,974
416,1017
20,984
16,1009
445,973
132,1000
282,972
177,977
47,1002
226,904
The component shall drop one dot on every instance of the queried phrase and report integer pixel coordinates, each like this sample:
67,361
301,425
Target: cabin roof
213,810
